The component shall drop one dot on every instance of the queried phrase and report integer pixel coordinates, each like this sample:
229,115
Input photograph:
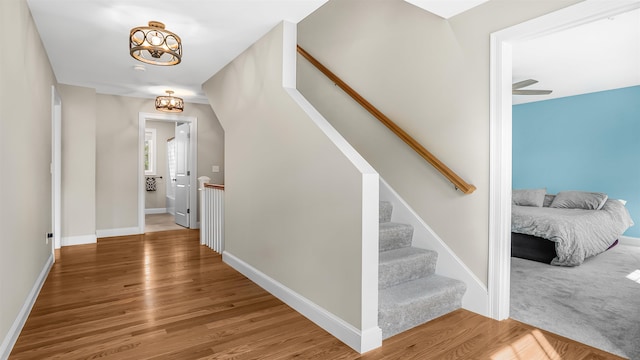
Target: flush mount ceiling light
154,45
169,103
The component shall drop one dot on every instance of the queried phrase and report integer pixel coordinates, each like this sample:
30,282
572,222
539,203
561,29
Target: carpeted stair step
405,264
385,211
412,303
395,235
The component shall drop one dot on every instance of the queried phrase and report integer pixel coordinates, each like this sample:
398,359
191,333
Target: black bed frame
532,248
535,248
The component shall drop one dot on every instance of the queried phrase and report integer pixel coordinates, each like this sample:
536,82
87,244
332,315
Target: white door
182,174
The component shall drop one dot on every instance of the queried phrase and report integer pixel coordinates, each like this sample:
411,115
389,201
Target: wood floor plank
164,296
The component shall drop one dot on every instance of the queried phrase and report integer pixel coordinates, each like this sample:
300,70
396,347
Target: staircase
410,293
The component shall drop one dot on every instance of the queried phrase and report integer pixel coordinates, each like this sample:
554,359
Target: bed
567,228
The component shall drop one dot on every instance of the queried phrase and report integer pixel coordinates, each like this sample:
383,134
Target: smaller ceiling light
169,103
154,45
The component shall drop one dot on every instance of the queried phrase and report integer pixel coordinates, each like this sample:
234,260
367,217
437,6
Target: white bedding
578,233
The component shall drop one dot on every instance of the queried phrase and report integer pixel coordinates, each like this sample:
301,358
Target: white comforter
578,233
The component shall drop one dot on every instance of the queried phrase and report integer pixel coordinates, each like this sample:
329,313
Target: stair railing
456,180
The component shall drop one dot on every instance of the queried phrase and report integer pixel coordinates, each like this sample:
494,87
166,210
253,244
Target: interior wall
78,163
293,200
26,78
117,155
164,130
587,142
431,77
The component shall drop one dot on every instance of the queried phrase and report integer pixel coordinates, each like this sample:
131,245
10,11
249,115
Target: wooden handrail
429,157
214,186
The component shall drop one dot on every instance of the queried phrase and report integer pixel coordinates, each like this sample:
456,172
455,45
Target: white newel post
205,224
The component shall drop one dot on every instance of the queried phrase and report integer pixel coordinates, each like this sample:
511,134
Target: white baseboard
361,341
78,240
155,211
476,298
628,240
12,335
119,232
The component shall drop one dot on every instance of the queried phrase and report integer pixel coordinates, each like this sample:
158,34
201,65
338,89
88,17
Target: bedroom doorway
501,133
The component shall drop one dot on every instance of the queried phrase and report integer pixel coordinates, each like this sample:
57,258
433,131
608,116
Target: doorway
150,179
501,135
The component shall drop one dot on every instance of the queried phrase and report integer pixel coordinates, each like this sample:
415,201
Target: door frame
56,169
193,164
499,279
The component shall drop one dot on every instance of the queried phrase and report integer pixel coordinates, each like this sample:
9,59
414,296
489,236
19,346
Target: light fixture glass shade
154,45
169,103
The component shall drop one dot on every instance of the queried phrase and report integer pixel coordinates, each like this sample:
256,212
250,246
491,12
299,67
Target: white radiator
212,217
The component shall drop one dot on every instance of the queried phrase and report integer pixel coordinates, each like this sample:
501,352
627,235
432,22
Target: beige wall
293,200
164,130
26,78
430,76
78,161
117,155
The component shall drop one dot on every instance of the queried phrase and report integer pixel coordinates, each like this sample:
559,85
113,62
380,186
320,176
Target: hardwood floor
163,296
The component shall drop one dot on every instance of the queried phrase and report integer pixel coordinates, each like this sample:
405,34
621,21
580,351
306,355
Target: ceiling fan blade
523,83
531,92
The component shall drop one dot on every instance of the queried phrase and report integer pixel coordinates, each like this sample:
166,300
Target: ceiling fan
516,88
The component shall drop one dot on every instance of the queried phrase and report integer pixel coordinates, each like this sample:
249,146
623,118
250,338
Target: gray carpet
594,303
410,293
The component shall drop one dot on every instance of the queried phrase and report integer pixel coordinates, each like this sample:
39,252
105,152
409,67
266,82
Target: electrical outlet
215,168
47,237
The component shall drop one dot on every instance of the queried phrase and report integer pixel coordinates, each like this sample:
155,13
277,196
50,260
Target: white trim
155,211
56,167
193,163
500,131
368,339
499,265
119,232
79,240
449,264
628,240
14,331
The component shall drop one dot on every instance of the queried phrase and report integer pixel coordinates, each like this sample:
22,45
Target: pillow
548,199
579,200
528,197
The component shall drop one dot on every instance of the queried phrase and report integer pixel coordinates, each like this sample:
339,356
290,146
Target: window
150,151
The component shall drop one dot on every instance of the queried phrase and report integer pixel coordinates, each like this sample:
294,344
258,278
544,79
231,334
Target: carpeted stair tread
415,302
395,235
386,209
405,264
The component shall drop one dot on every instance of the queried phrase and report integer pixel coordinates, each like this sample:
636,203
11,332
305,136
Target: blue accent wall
586,142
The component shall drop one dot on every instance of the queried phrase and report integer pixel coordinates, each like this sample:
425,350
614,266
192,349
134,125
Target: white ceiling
87,41
446,8
601,55
87,44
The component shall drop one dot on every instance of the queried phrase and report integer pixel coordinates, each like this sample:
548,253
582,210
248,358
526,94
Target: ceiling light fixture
169,103
154,45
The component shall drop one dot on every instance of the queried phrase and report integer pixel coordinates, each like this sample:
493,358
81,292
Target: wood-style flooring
164,296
